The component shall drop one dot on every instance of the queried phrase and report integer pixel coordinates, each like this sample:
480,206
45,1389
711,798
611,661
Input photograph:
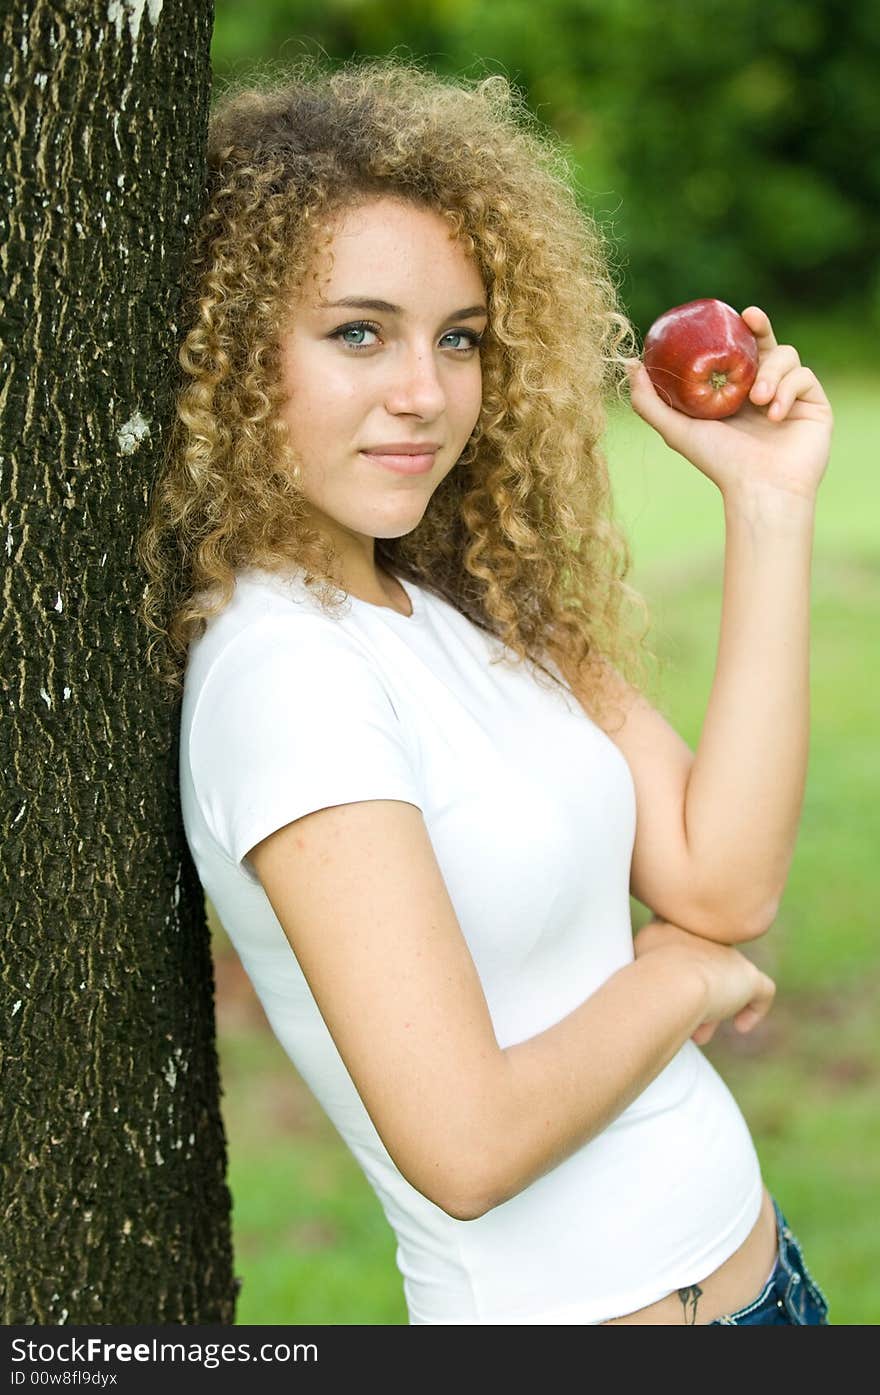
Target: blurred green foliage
729,149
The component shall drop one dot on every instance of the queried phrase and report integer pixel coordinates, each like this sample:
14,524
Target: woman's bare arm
716,831
361,898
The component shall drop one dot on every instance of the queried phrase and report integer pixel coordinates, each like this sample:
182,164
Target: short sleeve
293,716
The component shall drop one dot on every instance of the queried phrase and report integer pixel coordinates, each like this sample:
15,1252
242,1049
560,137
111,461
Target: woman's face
363,377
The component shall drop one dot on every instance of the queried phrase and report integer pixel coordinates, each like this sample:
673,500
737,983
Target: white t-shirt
530,809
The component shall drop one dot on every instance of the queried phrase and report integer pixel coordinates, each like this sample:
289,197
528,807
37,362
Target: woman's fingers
781,379
755,1011
801,385
758,322
704,1033
649,405
747,1017
771,370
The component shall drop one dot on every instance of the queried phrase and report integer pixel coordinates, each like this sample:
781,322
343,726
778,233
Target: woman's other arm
745,791
716,831
361,898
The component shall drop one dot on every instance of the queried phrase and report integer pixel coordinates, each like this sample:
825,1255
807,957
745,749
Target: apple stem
718,380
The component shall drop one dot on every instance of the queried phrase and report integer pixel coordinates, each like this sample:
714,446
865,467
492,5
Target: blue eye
472,340
353,329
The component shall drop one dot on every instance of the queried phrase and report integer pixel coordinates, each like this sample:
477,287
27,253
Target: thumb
648,403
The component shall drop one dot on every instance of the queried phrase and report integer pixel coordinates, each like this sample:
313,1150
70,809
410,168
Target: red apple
702,358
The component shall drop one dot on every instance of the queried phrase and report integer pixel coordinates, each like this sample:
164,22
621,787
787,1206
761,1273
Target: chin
398,522
388,533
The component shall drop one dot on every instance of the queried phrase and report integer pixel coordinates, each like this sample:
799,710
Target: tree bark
115,1207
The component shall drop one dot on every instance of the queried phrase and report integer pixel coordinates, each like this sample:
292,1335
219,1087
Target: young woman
417,787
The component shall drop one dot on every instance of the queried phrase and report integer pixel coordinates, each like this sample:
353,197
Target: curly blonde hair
520,535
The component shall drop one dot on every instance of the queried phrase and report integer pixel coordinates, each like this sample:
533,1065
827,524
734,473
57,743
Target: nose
414,386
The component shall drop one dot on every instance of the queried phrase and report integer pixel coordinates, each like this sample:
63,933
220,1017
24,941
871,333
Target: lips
404,458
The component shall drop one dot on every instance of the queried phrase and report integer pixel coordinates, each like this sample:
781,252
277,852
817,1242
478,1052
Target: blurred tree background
729,150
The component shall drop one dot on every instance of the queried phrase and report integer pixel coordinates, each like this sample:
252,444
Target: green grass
312,1245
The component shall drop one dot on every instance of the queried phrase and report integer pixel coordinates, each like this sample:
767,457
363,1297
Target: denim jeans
790,1298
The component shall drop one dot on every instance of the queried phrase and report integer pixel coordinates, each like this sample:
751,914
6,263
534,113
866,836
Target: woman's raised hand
779,440
737,989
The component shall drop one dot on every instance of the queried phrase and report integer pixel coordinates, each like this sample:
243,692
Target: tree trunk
115,1206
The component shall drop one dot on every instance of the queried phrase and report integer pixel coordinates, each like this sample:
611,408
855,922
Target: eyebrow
384,307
